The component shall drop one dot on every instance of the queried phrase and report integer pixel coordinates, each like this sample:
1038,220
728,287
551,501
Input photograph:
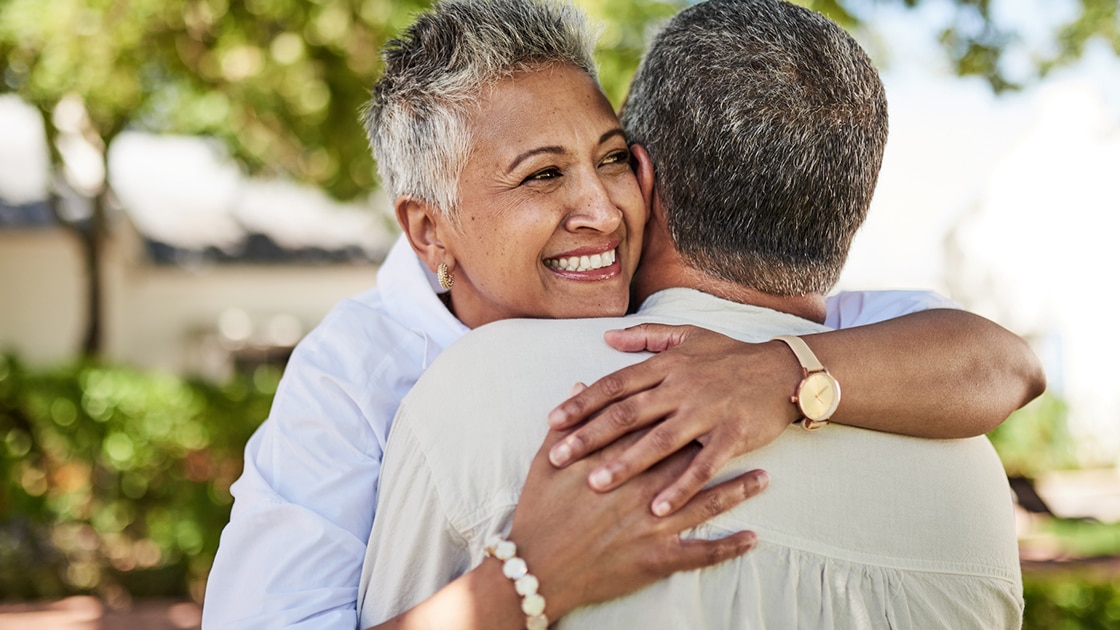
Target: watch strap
801,350
810,364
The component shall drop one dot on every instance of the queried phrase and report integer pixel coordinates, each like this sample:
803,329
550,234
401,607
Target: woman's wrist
495,602
786,374
560,573
524,583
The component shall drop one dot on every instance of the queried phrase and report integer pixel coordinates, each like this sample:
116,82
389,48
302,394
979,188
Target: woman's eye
617,157
546,174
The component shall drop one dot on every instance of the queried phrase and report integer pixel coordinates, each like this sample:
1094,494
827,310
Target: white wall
169,318
157,317
42,289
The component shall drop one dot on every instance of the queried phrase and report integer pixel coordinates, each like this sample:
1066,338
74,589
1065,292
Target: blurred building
203,269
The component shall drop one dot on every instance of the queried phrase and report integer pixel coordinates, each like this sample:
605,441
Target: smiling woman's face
550,214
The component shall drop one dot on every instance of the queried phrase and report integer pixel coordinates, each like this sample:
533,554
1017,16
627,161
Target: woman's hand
588,547
731,397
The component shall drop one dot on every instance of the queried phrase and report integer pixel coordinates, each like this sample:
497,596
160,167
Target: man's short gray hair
766,124
435,74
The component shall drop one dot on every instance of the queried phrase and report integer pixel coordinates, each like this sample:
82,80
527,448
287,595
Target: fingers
702,470
629,380
718,499
658,444
612,387
550,440
697,554
651,337
618,419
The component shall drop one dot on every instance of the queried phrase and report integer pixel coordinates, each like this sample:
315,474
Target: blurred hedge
1036,439
115,481
1071,600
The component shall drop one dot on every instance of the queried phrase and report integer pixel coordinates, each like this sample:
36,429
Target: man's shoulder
510,343
512,356
542,331
500,381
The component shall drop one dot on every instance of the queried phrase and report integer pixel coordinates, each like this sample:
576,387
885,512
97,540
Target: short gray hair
435,73
766,124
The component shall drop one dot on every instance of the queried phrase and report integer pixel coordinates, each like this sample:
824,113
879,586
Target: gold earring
446,278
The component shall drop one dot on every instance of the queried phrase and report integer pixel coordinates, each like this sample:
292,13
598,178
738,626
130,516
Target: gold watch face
818,396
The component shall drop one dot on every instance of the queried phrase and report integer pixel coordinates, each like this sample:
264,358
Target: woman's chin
575,309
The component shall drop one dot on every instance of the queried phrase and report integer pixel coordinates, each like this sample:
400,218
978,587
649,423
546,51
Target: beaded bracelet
514,568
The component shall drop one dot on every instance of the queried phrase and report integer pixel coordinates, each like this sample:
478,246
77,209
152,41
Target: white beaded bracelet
514,568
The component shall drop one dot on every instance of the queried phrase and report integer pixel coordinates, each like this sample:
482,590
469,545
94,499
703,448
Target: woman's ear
643,170
422,225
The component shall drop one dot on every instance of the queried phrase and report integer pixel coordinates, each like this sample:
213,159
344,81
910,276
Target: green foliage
116,481
835,10
1068,600
1035,439
976,42
1096,19
626,29
280,82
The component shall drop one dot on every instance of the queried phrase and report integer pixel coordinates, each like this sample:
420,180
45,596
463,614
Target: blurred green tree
280,82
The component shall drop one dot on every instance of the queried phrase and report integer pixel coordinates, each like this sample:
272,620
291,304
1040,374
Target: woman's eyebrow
617,131
554,149
530,153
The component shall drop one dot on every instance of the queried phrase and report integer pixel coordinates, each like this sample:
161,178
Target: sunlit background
234,203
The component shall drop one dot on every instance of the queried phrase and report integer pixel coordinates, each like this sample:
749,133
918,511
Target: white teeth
582,263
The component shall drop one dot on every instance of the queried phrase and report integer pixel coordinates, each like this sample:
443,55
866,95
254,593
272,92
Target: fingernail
577,388
556,417
560,454
661,508
763,479
600,479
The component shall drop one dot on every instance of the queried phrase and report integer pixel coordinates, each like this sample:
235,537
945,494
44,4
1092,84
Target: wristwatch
818,393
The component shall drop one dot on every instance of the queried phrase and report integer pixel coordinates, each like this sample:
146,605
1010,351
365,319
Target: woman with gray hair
514,188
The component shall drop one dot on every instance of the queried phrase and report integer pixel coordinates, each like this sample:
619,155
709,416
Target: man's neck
663,267
679,275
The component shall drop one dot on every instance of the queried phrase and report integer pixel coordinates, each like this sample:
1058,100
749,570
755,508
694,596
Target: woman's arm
940,373
587,547
937,374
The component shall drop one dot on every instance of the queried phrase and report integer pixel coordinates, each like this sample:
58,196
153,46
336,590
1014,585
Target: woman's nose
594,208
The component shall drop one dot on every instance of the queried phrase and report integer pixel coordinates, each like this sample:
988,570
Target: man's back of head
766,124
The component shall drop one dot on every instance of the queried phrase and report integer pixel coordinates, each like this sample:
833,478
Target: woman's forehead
558,106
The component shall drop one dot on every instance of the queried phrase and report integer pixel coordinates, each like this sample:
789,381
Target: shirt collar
713,312
409,291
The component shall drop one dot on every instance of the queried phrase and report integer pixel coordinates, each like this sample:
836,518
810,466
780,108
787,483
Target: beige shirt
858,529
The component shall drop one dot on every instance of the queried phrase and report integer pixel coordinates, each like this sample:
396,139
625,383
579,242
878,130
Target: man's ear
643,169
657,230
422,225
